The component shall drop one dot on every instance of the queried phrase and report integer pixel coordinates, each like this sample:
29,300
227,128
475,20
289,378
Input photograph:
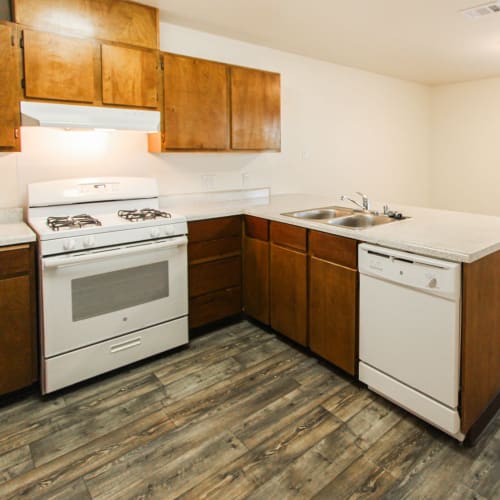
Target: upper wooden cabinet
60,68
9,89
112,20
129,76
211,106
79,70
196,104
255,110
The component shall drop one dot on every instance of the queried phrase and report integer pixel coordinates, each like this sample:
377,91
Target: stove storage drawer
214,254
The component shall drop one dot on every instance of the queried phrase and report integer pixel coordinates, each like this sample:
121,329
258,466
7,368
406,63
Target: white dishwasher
409,332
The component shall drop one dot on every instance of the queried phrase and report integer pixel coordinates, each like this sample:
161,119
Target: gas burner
143,214
72,222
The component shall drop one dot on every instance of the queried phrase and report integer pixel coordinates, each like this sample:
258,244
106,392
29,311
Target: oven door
94,296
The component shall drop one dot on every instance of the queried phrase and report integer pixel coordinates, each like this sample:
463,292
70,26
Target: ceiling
426,41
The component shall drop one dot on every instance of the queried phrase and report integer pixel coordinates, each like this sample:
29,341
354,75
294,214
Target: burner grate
72,222
143,214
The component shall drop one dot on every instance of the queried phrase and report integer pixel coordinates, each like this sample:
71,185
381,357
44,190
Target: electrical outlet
208,181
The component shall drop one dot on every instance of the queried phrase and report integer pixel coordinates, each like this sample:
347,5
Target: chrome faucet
366,202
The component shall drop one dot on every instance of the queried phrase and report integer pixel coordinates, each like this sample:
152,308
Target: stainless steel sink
323,213
342,217
360,221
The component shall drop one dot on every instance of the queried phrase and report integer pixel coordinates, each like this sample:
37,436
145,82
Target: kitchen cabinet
480,374
211,106
80,70
196,106
18,340
256,272
119,21
333,299
59,68
255,110
214,255
288,281
129,76
10,89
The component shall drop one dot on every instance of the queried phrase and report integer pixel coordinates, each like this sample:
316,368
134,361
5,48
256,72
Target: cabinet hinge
16,133
161,64
13,40
21,42
23,83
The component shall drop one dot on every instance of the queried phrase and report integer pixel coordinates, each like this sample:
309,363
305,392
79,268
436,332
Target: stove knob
89,242
69,244
169,230
155,232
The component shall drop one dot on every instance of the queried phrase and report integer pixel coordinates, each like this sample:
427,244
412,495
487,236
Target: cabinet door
196,104
256,279
10,90
255,109
289,293
16,350
59,68
332,313
129,76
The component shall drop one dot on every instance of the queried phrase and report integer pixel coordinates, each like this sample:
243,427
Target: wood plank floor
237,414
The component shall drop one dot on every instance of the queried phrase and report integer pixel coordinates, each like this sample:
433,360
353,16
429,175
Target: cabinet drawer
337,249
257,228
14,260
214,306
213,229
214,249
212,276
289,236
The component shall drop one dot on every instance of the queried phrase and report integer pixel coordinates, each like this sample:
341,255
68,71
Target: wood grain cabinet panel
10,85
215,275
18,342
113,20
288,293
129,76
333,313
213,229
256,279
196,115
214,306
289,236
59,68
255,110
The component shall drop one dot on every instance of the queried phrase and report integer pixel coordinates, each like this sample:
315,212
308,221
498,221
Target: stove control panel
65,244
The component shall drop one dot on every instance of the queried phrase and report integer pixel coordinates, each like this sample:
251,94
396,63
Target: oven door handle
74,260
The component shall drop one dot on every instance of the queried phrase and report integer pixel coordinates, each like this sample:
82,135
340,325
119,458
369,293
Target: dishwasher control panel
428,274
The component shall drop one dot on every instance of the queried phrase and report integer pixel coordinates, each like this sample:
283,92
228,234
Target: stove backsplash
50,154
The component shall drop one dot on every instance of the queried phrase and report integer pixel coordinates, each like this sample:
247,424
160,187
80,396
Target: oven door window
110,292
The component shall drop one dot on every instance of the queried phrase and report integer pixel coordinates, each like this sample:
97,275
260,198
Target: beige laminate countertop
13,231
454,236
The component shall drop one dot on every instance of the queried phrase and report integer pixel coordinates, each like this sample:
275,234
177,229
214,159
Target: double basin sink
342,217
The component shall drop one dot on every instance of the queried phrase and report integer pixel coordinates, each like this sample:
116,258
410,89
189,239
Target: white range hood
41,114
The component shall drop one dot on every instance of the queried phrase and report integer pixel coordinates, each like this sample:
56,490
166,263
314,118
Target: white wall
343,130
465,146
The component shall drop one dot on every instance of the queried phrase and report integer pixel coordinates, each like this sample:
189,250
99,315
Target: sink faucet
366,202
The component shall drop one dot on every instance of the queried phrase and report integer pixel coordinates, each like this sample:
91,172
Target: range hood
42,114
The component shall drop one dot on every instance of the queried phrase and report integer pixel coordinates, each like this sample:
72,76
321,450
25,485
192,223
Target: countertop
13,230
453,236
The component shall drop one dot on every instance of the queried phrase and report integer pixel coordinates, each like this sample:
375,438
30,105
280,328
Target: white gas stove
113,275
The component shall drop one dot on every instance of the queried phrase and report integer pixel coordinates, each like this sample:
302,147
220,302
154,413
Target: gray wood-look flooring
237,414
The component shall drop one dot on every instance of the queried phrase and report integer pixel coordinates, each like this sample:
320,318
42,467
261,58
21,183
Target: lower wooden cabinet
288,290
18,333
256,269
214,254
333,299
333,314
